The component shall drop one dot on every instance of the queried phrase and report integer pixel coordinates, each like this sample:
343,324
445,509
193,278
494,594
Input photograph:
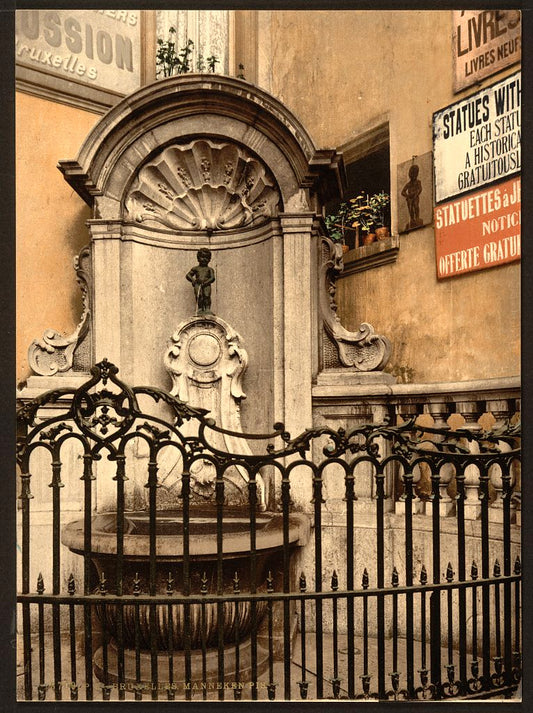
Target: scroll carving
54,352
206,360
363,350
203,185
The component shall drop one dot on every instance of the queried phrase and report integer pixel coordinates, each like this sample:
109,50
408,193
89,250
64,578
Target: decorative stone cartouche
206,360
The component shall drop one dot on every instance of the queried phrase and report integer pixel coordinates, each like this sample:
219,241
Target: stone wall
50,220
346,73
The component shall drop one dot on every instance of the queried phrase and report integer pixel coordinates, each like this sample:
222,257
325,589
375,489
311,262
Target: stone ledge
383,252
47,85
36,385
353,377
482,388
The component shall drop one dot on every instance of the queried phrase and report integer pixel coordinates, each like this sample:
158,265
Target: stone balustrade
474,405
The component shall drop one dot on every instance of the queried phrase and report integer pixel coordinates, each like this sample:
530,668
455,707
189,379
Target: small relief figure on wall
415,196
411,192
202,277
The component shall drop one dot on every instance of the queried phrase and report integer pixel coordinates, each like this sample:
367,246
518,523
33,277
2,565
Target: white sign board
484,42
477,141
99,48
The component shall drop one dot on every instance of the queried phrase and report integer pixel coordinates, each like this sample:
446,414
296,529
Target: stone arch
215,107
274,275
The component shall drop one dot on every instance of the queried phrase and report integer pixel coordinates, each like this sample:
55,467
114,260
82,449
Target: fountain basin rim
268,537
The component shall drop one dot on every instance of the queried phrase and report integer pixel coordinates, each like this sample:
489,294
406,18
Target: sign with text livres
477,141
484,42
478,231
99,48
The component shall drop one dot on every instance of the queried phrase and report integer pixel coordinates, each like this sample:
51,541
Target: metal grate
206,598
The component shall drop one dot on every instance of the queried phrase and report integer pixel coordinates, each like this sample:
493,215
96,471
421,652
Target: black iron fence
194,573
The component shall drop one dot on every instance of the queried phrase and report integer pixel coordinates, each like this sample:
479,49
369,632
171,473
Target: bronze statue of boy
202,276
411,192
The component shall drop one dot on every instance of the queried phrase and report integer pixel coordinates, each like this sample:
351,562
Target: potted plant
339,224
170,61
364,214
352,219
364,218
379,204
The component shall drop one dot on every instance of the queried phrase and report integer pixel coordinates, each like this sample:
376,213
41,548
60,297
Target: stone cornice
481,389
382,252
194,95
101,229
296,222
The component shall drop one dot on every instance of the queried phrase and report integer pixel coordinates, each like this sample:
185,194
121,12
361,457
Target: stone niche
210,161
206,160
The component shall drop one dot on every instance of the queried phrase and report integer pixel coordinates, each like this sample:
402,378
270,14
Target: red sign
478,231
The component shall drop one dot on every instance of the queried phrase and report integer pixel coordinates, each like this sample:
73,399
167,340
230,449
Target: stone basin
203,562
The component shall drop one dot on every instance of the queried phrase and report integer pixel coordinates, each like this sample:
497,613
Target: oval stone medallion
204,349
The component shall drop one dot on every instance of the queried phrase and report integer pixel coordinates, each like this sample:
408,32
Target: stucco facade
397,74
50,226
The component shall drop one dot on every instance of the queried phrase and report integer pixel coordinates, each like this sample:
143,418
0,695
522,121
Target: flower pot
369,238
382,233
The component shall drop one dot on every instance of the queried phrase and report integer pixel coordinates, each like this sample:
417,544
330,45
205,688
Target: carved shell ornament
203,185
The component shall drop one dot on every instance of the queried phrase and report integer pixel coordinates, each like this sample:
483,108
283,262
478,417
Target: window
367,165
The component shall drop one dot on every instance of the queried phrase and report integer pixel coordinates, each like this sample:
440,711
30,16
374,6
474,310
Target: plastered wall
50,220
467,327
343,73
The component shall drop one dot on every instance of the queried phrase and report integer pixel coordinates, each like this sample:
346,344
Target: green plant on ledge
340,224
379,204
362,214
170,62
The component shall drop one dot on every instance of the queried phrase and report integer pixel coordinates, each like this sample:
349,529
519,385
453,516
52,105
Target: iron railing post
190,631
434,599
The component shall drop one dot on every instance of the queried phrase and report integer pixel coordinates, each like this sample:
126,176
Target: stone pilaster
297,319
107,291
298,338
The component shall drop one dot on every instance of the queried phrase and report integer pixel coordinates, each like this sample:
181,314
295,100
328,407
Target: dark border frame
7,353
